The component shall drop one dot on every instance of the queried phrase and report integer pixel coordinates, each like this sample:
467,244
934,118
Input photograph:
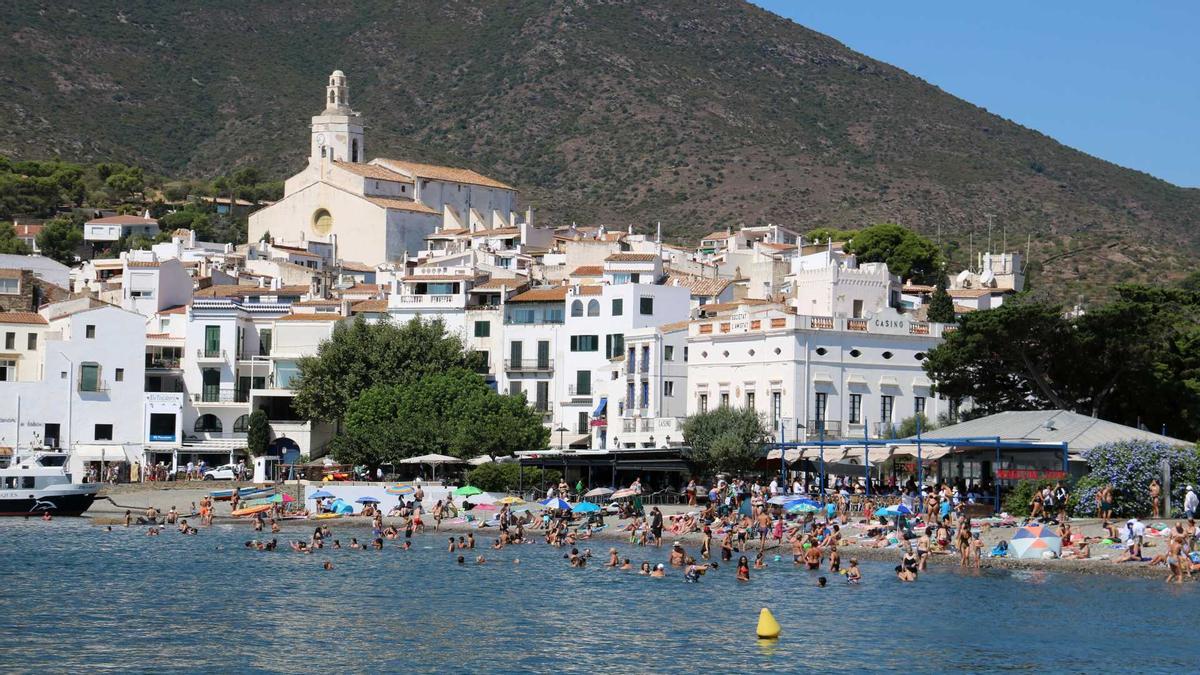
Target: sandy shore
110,509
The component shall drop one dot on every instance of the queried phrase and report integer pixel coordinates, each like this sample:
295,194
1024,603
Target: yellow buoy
768,627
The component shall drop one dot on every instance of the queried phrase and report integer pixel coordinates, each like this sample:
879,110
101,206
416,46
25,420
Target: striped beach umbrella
1034,541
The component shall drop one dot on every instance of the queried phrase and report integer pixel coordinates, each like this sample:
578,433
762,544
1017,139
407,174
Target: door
543,355
583,383
50,436
211,389
583,422
542,402
212,340
514,355
243,391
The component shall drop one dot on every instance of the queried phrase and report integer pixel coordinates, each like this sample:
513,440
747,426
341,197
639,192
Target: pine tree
941,307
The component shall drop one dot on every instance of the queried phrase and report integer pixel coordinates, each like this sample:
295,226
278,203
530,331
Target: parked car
223,472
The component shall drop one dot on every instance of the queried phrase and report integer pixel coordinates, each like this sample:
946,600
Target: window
483,329
750,400
703,403
614,345
514,388
264,341
593,308
241,424
724,399
31,341
855,353
119,374
585,343
8,370
618,306
668,353
857,310
645,394
919,405
514,353
668,388
10,286
543,354
855,408
162,427
103,432
210,381
583,383
776,407
819,409
212,341
885,409
89,377
89,331
645,306
887,355
821,351
10,340
577,308
542,399
685,354
207,423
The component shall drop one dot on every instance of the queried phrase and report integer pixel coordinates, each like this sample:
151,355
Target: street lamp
561,443
652,441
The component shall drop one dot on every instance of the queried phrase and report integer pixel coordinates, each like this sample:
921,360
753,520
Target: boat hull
54,502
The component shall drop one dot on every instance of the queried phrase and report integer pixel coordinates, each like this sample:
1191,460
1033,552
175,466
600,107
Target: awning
821,376
888,381
599,411
921,382
856,379
100,453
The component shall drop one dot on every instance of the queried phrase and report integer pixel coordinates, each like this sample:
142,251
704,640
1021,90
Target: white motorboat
38,482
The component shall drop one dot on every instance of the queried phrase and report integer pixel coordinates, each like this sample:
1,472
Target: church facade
379,210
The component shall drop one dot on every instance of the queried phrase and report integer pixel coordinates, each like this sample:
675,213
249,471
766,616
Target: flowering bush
1130,466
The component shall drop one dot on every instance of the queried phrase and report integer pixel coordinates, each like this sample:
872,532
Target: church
375,211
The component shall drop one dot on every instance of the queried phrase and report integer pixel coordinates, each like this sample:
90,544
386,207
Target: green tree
9,243
726,439
361,355
59,239
941,305
258,433
452,412
124,183
908,426
824,234
509,477
907,254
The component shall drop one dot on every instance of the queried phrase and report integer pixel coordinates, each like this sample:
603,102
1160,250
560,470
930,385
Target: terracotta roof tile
442,173
672,327
588,271
591,290
400,204
142,264
177,309
495,284
497,232
312,316
698,285
548,294
22,317
716,235
369,306
373,171
631,257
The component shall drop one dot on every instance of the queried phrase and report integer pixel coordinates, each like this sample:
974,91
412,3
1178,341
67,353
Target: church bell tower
337,133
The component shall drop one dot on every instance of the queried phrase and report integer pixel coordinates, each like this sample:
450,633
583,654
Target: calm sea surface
76,598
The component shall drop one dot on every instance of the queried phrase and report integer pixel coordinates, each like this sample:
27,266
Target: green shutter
89,377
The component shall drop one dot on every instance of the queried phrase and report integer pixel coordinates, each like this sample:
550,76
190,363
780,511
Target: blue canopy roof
600,408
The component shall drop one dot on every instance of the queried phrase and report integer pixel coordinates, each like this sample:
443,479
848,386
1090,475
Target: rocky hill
696,114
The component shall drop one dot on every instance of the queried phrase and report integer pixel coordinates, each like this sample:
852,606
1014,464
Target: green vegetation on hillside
696,114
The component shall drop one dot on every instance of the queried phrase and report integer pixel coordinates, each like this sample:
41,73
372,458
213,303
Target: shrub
1016,502
508,477
1129,466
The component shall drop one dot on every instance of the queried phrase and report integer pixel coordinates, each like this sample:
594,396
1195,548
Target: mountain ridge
699,115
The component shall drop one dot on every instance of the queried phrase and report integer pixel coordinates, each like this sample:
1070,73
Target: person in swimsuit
743,569
853,575
835,560
923,548
812,557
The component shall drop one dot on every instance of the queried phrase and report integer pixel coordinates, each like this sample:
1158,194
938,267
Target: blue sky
1118,80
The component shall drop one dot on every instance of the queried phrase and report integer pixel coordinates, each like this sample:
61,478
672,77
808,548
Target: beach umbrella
800,507
367,500
1034,541
585,507
555,503
484,507
320,494
598,492
400,490
510,500
281,498
780,500
622,494
467,491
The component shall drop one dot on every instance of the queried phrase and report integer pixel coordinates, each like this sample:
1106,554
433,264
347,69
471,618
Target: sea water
78,598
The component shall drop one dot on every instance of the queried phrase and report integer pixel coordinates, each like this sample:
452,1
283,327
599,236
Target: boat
250,511
243,493
38,482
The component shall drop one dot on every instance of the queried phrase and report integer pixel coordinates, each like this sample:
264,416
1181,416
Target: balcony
857,325
429,300
577,391
529,365
831,429
97,387
210,356
161,363
629,426
214,396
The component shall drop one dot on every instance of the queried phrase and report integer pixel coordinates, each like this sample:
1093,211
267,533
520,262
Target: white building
643,400
113,228
381,210
71,376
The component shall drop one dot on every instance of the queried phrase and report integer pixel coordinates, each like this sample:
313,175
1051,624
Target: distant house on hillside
112,228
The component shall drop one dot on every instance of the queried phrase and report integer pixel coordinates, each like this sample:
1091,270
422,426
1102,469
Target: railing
576,390
778,322
430,299
856,324
163,364
918,328
529,365
820,322
645,424
221,396
629,426
210,354
705,328
832,429
100,387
